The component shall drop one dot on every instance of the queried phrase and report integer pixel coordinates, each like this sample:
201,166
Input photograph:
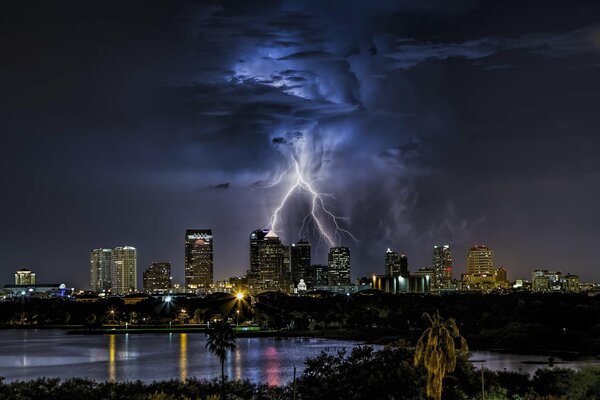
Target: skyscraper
24,276
256,241
442,266
124,270
157,277
100,269
396,264
480,261
316,275
198,259
299,260
338,266
272,272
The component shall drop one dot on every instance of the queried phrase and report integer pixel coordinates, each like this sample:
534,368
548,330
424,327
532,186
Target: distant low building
37,290
24,276
543,280
420,283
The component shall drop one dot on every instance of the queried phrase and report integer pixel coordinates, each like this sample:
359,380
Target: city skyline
418,123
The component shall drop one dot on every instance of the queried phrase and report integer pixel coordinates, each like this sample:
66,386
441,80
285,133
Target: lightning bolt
317,206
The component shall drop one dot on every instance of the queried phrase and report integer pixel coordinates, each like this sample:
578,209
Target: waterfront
29,354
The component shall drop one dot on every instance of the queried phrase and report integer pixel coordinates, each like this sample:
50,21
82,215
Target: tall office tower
124,270
299,260
392,262
442,266
157,277
396,264
24,276
316,275
100,269
272,272
480,260
338,266
198,259
256,241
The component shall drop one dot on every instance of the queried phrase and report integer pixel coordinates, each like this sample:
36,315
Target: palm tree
437,349
219,340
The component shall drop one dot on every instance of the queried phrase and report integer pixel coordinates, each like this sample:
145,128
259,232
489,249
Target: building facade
480,260
396,264
316,275
198,259
273,273
256,241
100,269
442,266
299,261
24,277
157,277
124,270
338,266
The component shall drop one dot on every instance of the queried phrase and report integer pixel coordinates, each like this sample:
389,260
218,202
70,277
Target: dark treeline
518,321
362,374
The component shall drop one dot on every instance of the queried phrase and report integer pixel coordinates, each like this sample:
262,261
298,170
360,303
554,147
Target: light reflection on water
29,354
183,356
112,351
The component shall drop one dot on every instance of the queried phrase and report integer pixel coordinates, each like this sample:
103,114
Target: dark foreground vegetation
521,322
362,374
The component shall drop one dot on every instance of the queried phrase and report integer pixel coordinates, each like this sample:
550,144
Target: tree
437,349
219,340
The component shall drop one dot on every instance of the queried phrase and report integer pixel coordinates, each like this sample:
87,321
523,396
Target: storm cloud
423,122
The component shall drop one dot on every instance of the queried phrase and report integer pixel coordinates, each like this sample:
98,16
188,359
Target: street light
237,318
239,295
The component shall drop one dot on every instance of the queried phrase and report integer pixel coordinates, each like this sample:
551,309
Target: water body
29,354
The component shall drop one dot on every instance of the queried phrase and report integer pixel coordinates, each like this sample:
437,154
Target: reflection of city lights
183,357
112,351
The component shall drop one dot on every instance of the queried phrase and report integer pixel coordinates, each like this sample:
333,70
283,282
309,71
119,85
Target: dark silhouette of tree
220,338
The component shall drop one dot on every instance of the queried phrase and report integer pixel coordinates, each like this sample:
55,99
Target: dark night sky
126,122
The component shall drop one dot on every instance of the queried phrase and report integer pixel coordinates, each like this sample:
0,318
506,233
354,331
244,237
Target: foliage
364,373
220,339
437,350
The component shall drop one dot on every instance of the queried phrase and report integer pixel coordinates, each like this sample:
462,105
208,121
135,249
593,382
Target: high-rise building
198,259
157,277
480,261
316,275
338,266
396,264
442,266
124,270
272,271
24,276
500,277
256,241
299,261
100,269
